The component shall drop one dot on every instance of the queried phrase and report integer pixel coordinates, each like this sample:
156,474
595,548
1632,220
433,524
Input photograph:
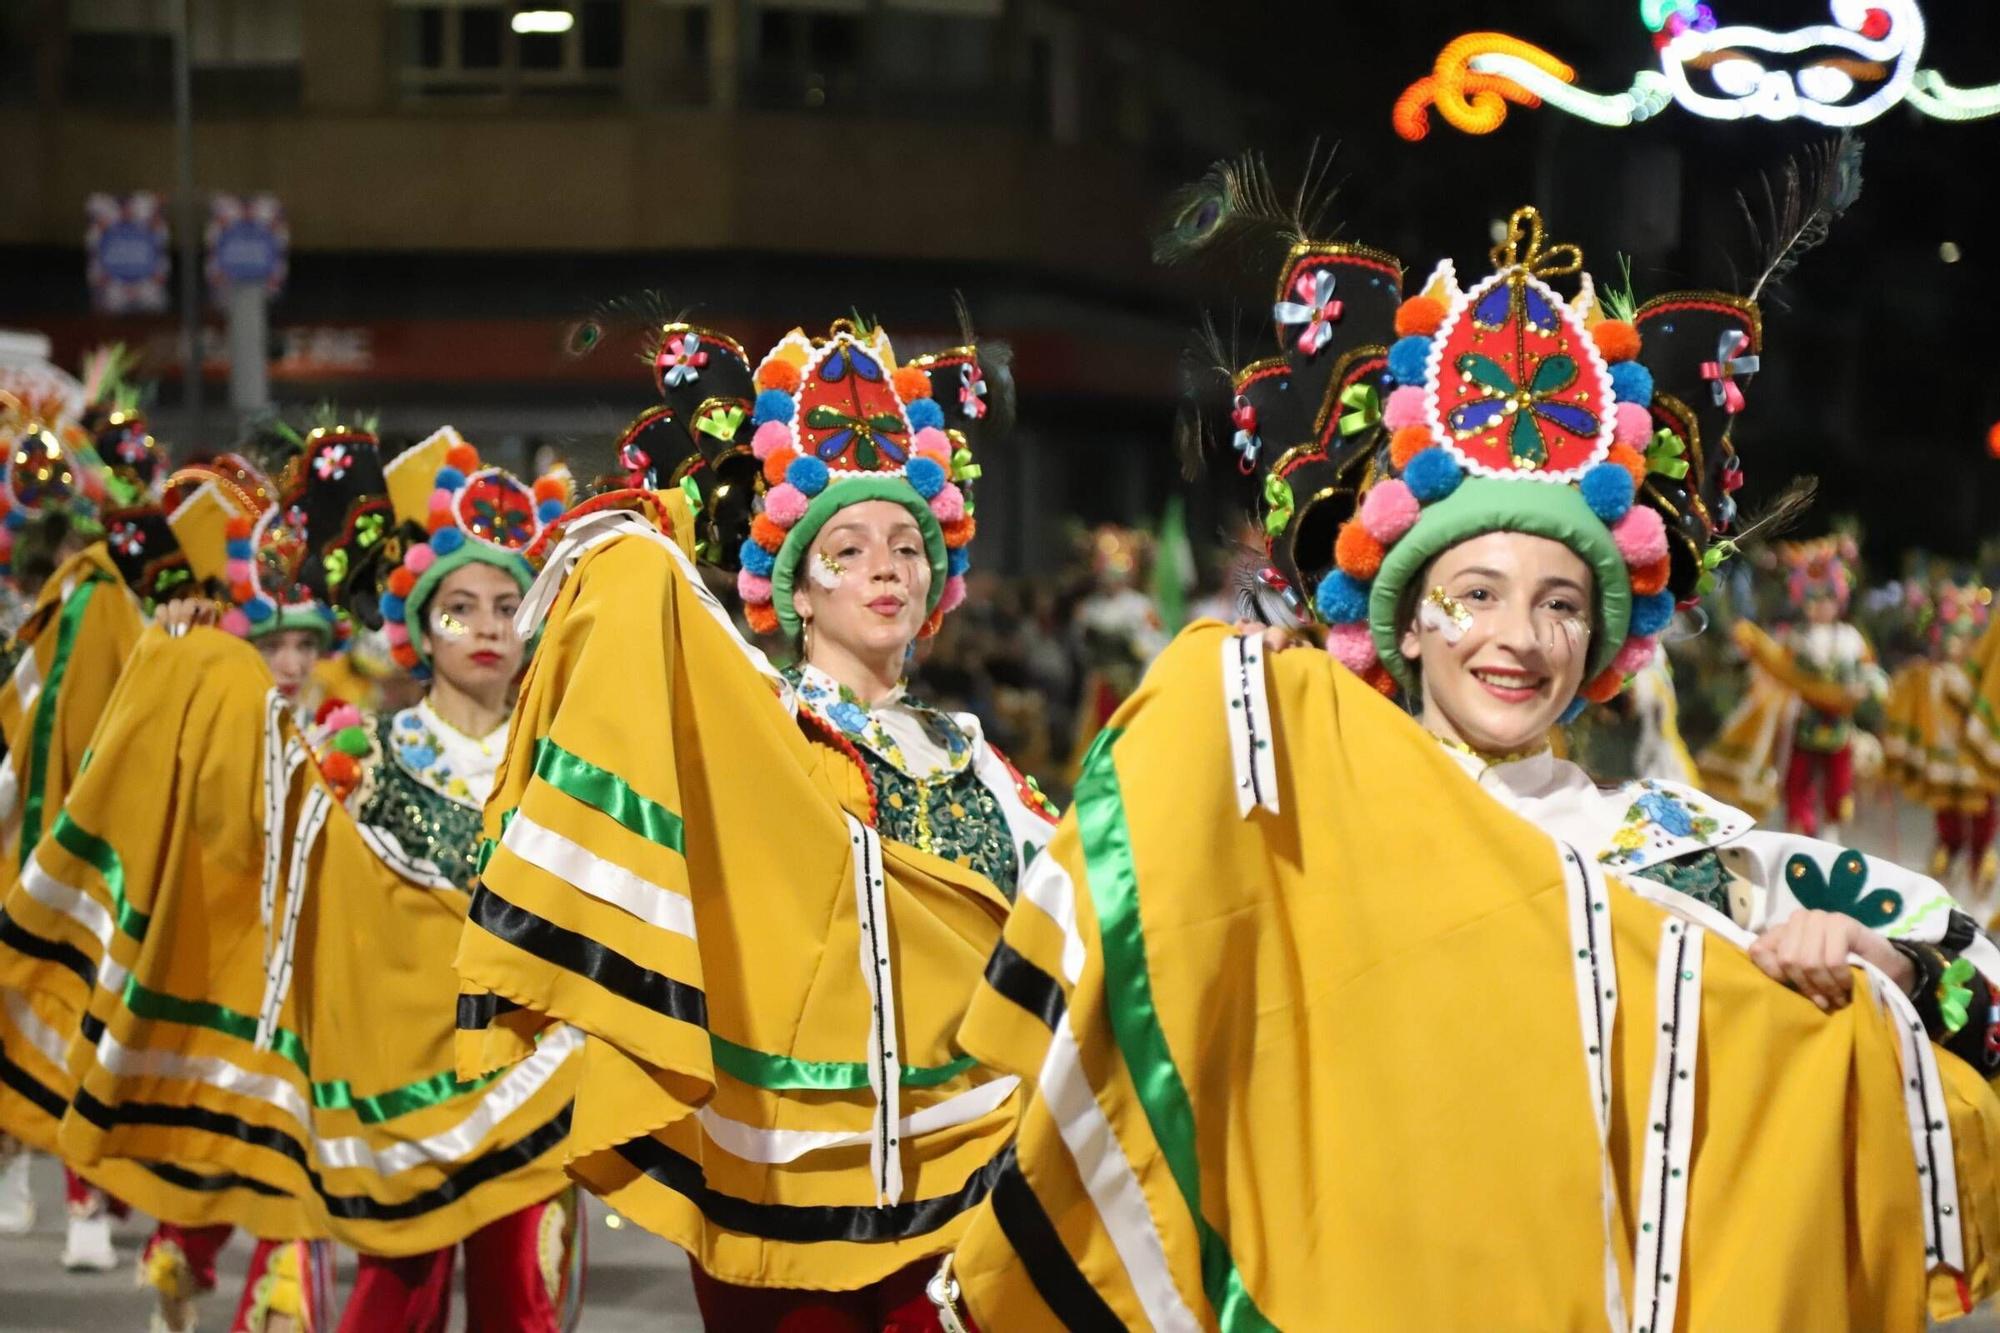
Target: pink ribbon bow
972,390
682,361
1246,442
1728,364
1316,309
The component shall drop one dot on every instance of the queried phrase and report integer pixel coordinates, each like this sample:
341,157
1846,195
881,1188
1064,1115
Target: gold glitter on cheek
1445,614
826,571
445,623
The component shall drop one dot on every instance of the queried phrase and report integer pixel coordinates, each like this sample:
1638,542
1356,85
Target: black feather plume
1235,202
1813,191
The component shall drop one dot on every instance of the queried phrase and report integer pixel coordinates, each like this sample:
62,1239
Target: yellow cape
220,1027
74,645
769,990
1386,1058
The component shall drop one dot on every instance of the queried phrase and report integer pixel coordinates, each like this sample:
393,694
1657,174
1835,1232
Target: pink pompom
770,438
948,505
1405,408
752,587
785,504
396,632
1633,425
1641,536
954,594
1353,647
1388,511
933,443
440,501
235,622
237,571
1633,657
419,558
337,719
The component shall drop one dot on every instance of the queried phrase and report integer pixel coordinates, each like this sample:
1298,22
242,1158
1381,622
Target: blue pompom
1607,489
1342,599
1651,614
17,519
446,540
773,405
391,606
237,548
807,474
548,511
1574,711
257,610
926,475
1407,358
756,559
1633,383
957,562
449,479
1432,475
925,412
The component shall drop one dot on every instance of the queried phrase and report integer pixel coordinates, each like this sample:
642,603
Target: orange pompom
766,533
1605,688
340,768
1406,444
1356,551
1420,316
780,375
958,534
775,465
1378,677
463,457
932,624
241,593
440,518
1616,340
911,384
404,655
1649,579
237,529
551,488
1625,456
402,581
762,619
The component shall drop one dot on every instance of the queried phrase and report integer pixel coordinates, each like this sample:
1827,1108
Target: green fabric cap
838,495
1491,504
313,617
470,551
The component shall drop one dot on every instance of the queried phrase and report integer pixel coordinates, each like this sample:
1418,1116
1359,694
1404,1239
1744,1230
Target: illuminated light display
1840,73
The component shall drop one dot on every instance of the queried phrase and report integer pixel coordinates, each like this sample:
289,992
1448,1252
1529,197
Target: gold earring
806,638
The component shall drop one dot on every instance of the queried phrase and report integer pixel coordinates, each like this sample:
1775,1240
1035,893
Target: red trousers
1833,774
200,1245
504,1288
1973,834
86,1200
896,1304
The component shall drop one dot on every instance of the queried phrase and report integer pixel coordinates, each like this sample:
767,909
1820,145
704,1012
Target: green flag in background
1173,566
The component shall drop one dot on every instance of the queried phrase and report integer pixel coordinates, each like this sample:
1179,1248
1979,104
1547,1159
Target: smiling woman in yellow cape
223,1007
1319,1035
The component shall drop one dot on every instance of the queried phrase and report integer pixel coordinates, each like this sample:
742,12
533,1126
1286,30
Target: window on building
805,54
241,53
468,48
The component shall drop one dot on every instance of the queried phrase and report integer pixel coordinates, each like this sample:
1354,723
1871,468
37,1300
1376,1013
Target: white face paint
1444,613
826,571
1567,634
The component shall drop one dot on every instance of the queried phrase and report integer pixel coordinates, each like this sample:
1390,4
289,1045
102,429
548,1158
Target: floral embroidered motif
424,822
1653,822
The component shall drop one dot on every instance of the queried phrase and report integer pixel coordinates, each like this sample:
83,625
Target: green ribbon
783,1073
963,468
331,1095
722,423
1666,455
1135,1022
1953,995
1277,504
70,624
608,794
1360,408
691,493
102,857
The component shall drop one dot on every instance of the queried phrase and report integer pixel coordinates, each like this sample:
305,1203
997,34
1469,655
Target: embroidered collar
1493,760
446,760
919,742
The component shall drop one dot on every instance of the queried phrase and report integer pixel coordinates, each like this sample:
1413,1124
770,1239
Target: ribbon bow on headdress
1728,364
1316,308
